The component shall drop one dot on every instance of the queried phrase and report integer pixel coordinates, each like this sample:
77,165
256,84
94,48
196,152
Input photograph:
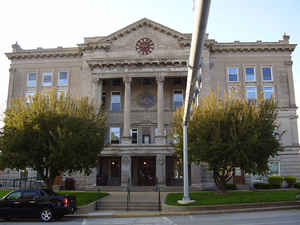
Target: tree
230,132
52,135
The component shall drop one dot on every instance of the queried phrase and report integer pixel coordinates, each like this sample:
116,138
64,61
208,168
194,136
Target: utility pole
194,64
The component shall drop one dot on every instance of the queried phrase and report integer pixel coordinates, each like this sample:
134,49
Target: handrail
128,194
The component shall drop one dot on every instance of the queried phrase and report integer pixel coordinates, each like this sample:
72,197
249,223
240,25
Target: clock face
144,46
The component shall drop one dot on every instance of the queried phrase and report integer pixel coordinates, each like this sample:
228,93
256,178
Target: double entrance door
143,171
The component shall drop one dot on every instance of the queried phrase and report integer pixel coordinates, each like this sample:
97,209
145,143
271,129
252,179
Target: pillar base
185,202
126,140
160,140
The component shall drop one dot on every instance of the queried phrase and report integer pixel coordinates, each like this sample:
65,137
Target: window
62,79
60,93
31,80
251,93
28,195
274,168
232,74
250,74
29,95
267,73
116,82
114,135
177,99
115,101
146,139
47,79
14,196
134,135
268,92
103,99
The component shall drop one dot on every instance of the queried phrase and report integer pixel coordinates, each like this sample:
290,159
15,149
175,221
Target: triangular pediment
105,42
144,23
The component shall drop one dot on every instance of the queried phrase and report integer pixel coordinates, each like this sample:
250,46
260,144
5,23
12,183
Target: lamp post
201,16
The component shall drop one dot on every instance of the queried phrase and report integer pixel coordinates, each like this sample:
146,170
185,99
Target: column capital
160,79
95,79
127,80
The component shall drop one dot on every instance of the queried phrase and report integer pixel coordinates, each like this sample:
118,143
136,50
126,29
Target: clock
144,46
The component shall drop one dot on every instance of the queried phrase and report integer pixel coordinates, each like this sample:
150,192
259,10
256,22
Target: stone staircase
122,206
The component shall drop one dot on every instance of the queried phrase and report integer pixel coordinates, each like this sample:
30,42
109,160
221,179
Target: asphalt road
284,217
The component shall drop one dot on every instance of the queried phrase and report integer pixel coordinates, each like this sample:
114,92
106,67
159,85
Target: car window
29,194
14,196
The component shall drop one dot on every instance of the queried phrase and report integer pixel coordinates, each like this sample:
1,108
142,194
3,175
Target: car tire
46,215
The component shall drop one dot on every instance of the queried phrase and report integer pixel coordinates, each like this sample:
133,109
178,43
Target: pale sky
48,24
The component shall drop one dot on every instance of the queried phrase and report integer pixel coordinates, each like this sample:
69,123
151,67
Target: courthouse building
138,75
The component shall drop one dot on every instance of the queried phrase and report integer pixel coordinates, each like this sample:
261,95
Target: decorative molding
112,63
127,79
44,53
160,79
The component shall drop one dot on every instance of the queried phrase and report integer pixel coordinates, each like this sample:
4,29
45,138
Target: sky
52,23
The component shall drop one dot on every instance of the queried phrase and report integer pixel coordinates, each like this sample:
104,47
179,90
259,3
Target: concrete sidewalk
176,210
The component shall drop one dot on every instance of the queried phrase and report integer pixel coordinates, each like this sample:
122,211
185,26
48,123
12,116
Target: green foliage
291,180
275,181
297,185
228,131
235,197
52,135
262,186
84,198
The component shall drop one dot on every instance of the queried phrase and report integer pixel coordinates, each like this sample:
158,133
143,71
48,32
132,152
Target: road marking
84,222
169,221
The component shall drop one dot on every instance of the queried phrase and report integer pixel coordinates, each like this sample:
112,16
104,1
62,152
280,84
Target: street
283,217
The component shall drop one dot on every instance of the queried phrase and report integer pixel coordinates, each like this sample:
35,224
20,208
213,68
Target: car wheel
46,215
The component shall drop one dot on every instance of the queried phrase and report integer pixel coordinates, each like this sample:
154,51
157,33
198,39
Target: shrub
230,186
275,181
297,185
291,181
262,186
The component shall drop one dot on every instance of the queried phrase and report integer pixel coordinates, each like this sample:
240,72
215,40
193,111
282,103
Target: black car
42,203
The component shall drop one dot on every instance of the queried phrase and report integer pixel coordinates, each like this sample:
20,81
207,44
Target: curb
182,213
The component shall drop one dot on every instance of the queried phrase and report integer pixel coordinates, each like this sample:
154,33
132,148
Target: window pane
267,73
250,74
115,135
62,78
47,77
251,93
115,101
177,99
232,74
134,136
268,91
31,82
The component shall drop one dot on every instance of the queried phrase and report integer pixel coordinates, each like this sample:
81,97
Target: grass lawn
234,197
83,198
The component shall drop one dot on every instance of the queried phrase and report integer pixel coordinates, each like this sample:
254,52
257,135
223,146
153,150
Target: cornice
109,63
44,53
249,46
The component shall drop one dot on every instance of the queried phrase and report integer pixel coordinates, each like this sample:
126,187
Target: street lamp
201,16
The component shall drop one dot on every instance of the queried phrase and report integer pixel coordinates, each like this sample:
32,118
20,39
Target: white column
125,170
161,169
127,108
99,91
160,139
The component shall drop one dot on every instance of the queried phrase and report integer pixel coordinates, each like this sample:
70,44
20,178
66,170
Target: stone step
103,205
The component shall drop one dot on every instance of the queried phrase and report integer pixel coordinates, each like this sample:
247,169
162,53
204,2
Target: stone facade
138,75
